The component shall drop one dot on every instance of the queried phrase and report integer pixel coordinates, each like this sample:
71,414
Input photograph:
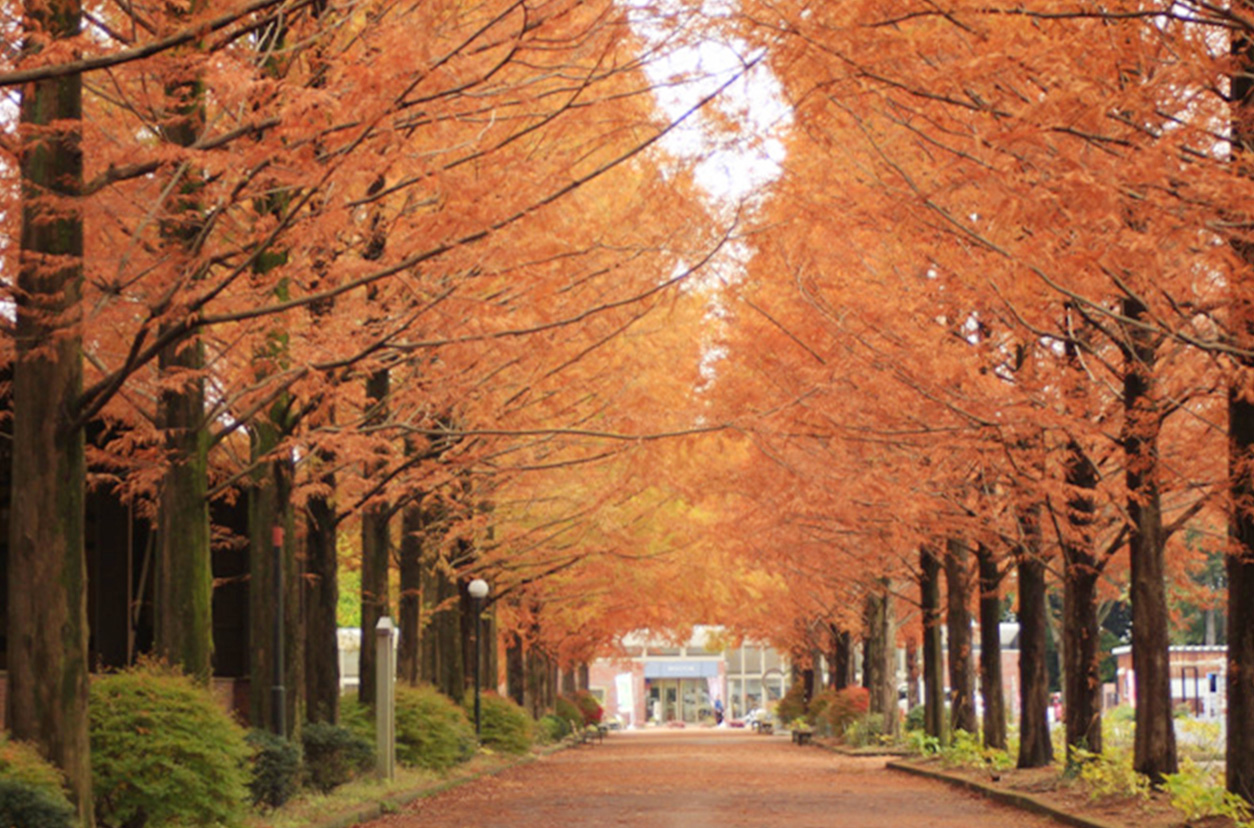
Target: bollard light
478,589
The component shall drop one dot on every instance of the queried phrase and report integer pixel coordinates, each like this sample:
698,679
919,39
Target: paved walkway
696,778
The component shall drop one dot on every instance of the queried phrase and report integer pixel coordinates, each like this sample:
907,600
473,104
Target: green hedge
432,731
32,791
503,725
163,752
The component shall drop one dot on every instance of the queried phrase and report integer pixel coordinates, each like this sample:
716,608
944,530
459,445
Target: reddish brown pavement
699,777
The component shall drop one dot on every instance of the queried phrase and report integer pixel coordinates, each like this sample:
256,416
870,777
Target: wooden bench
802,737
584,734
764,727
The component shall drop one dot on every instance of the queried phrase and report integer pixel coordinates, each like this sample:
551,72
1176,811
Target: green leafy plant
865,730
1110,774
503,725
31,789
334,754
923,744
916,718
1197,794
276,768
163,751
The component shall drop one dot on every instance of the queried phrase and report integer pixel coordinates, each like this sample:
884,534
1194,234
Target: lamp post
478,589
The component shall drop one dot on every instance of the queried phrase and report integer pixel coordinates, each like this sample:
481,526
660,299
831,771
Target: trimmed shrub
846,707
503,725
163,752
31,789
588,706
432,732
916,718
551,728
334,754
566,710
793,704
276,768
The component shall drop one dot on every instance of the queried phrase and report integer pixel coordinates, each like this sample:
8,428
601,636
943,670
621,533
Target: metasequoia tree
47,606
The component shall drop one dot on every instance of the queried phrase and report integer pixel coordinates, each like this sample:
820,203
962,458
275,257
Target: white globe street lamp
478,590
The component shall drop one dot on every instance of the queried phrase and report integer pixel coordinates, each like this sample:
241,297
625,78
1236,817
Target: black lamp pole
478,589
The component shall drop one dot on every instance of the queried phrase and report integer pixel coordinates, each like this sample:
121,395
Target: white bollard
385,699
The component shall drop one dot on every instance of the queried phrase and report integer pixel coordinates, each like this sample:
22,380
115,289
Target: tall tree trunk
912,674
183,599
409,656
958,624
842,658
47,571
991,688
1240,560
887,634
933,658
1154,752
375,554
1081,656
516,670
322,666
872,650
1035,748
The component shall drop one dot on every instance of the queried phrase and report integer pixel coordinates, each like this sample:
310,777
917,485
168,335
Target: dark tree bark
1154,752
516,671
1081,569
1035,748
1240,560
183,600
47,570
842,658
872,650
912,674
958,625
375,552
409,656
322,664
992,689
933,658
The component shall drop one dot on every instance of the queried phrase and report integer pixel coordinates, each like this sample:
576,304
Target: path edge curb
1011,798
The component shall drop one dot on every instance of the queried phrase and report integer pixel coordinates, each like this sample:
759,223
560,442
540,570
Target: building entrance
680,700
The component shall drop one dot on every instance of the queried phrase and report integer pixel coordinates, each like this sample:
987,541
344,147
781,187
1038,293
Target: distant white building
657,682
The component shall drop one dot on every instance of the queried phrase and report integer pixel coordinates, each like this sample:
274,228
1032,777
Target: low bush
551,728
163,752
845,707
334,754
588,706
276,768
566,710
865,730
432,732
358,718
1198,795
503,725
31,789
916,718
793,704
